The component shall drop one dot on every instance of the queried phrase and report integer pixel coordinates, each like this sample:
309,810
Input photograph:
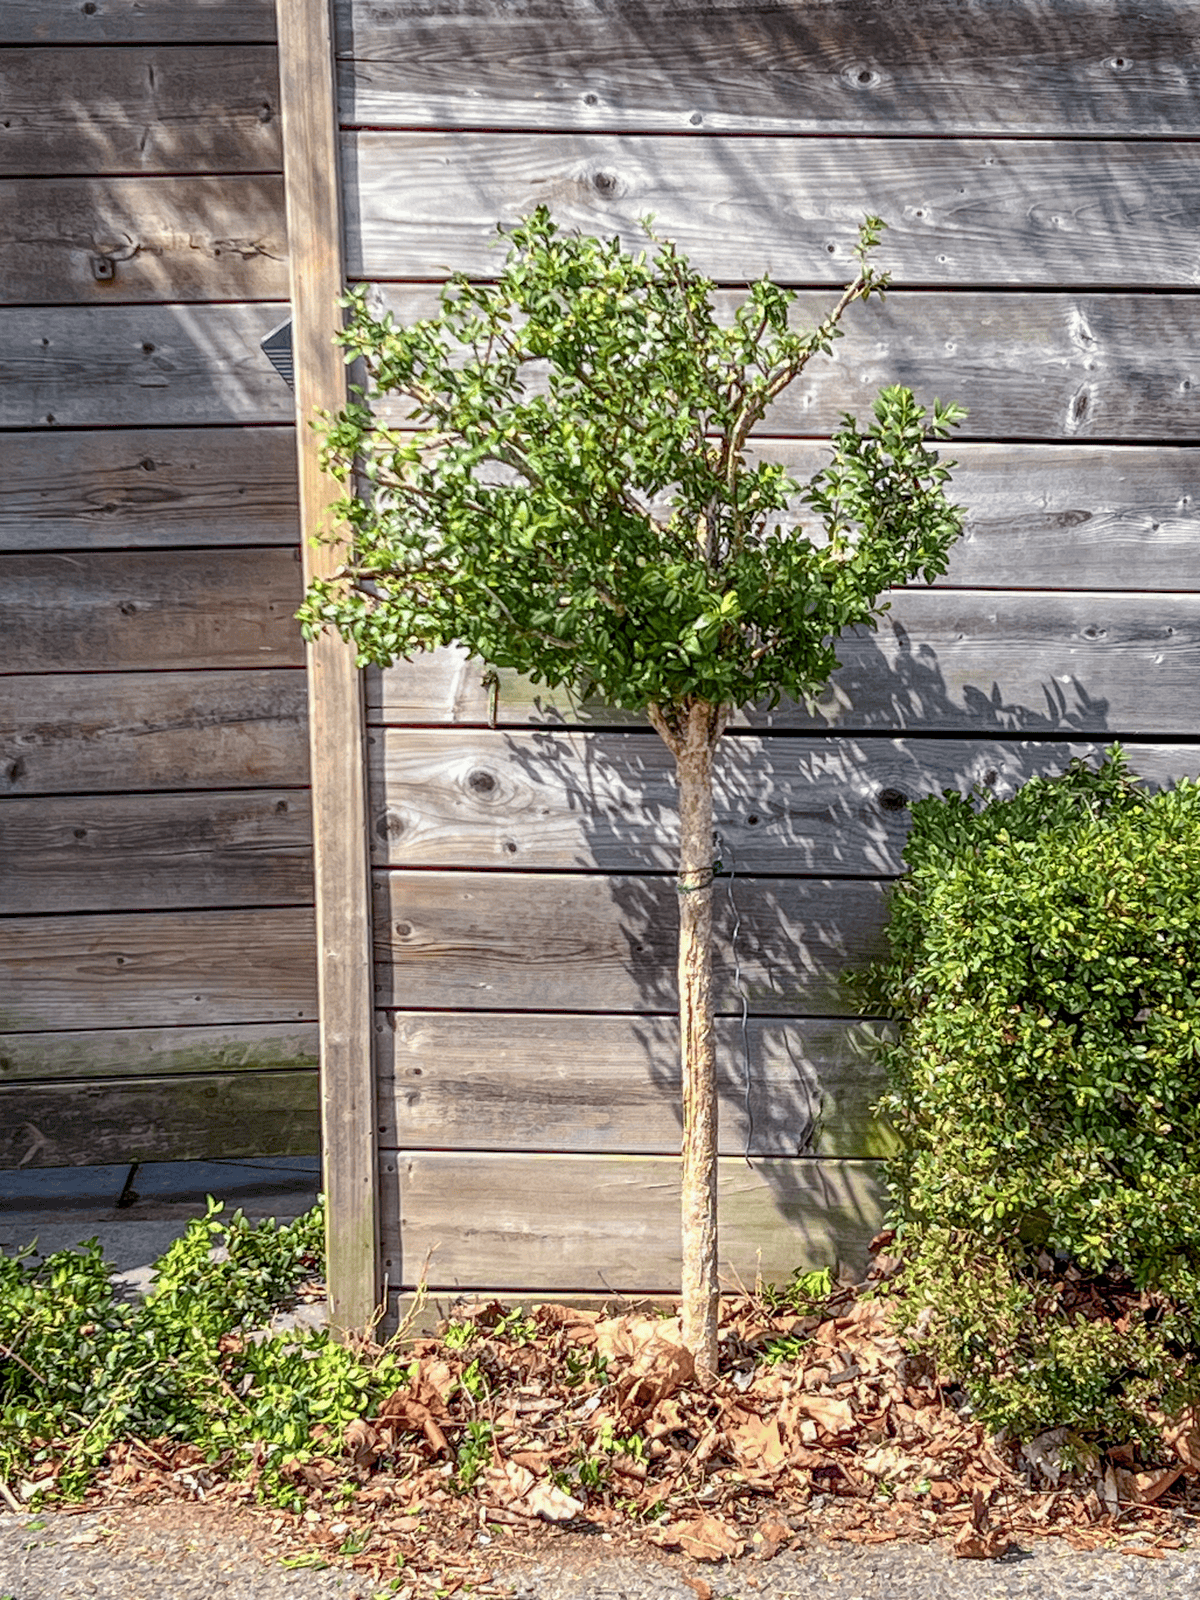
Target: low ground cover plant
1045,1085
82,1370
427,1463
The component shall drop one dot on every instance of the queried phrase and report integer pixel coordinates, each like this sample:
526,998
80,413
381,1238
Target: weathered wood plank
143,488
1111,367
139,22
156,969
610,1085
954,661
493,941
1056,516
1067,516
133,366
1049,516
150,609
810,66
1024,212
477,798
98,732
157,1052
612,1222
96,240
422,1314
159,109
155,852
167,1119
341,865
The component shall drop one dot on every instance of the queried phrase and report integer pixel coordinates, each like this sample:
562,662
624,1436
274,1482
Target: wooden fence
1036,167
157,967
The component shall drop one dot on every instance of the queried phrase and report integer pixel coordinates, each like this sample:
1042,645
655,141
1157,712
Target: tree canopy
568,494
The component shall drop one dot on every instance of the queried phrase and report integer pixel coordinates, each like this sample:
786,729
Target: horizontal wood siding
145,852
139,366
156,969
955,661
161,109
150,610
962,212
100,732
157,960
143,239
1036,169
1077,68
200,1118
159,1052
592,942
151,488
555,800
64,22
611,1084
1050,368
595,1223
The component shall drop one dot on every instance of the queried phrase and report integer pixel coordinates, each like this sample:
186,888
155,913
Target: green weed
82,1370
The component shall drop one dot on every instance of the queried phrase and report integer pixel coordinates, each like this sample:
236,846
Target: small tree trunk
691,735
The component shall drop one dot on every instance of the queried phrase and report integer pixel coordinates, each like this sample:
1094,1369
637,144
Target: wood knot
892,799
607,184
480,782
389,826
860,76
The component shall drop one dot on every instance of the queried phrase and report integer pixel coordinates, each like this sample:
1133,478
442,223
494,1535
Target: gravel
188,1552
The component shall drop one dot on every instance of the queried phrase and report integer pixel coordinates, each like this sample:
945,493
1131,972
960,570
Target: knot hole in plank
860,76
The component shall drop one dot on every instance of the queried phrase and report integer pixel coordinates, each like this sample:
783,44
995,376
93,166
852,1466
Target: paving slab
56,1208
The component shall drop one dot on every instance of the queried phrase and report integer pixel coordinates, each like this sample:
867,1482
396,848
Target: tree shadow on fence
809,831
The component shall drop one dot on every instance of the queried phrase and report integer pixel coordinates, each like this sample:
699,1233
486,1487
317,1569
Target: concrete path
195,1553
58,1207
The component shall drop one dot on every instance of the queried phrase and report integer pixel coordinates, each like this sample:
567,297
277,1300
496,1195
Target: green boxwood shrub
1045,1087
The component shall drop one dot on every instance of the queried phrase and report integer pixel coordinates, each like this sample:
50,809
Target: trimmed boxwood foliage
1045,1085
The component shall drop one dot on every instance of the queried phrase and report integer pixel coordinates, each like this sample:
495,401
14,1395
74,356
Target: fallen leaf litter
823,1426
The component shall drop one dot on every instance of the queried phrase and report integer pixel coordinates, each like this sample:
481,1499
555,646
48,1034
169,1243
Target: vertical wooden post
335,711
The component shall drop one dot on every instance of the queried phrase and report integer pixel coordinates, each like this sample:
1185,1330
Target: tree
569,496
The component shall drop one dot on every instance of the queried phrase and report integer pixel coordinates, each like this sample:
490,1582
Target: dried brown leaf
769,1537
1144,1488
651,1351
1181,1434
516,1489
401,1411
552,1504
756,1442
363,1443
832,1416
971,1545
703,1538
